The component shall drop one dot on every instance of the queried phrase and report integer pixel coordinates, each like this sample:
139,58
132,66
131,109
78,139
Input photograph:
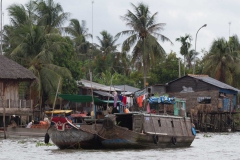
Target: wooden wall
192,105
191,98
197,85
157,89
10,90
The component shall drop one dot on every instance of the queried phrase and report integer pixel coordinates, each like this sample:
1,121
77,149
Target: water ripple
210,146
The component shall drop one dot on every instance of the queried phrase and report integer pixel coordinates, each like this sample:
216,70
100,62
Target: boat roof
58,111
149,115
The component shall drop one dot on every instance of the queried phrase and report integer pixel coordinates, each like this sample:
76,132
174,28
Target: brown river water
206,146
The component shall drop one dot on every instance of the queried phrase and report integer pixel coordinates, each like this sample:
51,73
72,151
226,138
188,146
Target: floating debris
205,135
44,144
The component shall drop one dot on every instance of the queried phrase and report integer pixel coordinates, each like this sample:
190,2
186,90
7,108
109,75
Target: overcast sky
181,17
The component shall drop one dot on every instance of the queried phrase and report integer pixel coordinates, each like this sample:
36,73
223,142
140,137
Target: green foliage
222,61
69,86
33,39
166,71
143,37
207,136
67,58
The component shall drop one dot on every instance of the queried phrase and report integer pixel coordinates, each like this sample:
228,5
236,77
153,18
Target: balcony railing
21,103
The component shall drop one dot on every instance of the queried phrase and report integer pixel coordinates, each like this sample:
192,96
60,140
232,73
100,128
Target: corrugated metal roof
213,81
127,88
96,86
104,93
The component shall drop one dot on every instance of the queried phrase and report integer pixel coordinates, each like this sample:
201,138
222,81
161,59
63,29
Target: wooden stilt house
13,99
209,102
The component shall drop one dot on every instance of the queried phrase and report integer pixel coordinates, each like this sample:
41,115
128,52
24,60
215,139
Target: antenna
229,29
1,27
92,22
90,73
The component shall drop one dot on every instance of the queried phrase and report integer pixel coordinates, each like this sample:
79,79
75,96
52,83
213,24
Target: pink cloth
148,108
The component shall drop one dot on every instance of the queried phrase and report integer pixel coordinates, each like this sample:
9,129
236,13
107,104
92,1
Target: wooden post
220,122
4,116
206,122
214,123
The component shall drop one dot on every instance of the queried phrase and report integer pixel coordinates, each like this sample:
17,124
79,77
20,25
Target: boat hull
120,138
69,136
151,135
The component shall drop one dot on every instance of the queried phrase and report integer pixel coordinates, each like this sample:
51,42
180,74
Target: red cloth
124,101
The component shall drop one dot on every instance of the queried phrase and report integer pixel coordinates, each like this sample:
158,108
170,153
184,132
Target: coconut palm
29,44
185,45
50,15
107,43
190,58
223,59
143,36
79,34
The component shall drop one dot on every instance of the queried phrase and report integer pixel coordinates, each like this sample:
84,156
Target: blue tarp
161,99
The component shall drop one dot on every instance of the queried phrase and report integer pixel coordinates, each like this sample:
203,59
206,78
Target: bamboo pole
110,90
55,98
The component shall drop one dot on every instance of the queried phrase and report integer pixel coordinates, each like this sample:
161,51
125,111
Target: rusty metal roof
10,69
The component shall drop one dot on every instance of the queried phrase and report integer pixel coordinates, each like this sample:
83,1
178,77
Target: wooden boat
122,130
138,130
144,130
66,134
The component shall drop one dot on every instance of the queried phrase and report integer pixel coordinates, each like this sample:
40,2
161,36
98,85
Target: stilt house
209,102
202,89
12,102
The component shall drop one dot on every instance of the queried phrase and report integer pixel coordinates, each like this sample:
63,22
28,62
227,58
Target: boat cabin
154,124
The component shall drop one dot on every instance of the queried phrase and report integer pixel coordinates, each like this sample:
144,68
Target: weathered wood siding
197,85
138,123
168,126
192,103
11,90
191,98
157,89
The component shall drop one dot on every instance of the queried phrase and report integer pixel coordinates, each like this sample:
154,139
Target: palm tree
143,36
50,15
107,43
107,59
185,45
79,34
190,58
223,59
29,44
